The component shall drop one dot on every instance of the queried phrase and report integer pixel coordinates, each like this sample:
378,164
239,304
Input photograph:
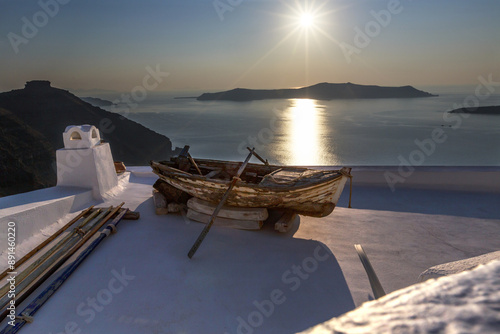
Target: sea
347,132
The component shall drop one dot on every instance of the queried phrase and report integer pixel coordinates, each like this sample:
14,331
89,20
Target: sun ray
284,39
304,19
327,35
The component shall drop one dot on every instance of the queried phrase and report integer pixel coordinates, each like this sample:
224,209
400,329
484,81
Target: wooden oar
57,260
47,241
217,209
27,314
39,261
32,274
265,162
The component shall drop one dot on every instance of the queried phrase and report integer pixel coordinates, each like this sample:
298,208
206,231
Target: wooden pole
38,302
47,241
217,209
265,162
48,262
51,267
194,163
33,266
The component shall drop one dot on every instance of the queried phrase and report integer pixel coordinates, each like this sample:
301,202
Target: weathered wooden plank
120,167
285,223
228,211
175,207
225,222
160,203
131,215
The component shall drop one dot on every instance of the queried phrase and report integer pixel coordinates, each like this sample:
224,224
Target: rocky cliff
32,121
26,157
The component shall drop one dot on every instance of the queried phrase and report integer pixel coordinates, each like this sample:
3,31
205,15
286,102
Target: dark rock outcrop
26,157
32,121
490,110
321,91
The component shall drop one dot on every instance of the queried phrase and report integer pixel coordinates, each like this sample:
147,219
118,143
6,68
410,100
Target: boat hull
317,199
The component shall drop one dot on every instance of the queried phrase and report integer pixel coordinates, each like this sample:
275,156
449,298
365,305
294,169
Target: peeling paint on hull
315,197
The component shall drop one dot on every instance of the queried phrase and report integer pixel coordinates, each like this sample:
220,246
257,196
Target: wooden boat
302,190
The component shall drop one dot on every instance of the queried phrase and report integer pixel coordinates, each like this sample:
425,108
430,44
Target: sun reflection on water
304,133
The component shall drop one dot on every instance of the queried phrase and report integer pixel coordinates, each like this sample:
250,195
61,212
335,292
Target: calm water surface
339,132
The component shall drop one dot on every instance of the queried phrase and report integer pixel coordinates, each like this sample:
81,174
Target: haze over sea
337,132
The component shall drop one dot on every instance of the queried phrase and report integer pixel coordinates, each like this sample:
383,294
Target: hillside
321,91
32,121
489,110
26,157
97,102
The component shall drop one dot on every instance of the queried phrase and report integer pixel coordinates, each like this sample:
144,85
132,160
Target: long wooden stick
41,267
33,266
47,241
36,304
217,209
96,228
194,163
265,162
377,289
50,267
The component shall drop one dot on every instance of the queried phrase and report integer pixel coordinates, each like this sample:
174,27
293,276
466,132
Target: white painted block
228,211
87,168
225,222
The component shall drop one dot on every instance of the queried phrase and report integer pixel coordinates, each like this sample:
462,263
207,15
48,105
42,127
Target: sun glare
304,132
306,20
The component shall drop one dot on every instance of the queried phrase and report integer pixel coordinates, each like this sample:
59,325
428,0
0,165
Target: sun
306,20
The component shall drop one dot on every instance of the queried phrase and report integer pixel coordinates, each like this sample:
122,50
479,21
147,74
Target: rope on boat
270,176
348,174
350,190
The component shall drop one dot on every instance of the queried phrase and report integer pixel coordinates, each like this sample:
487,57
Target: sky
212,45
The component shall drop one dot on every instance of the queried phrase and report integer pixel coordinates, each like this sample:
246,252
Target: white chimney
81,136
85,161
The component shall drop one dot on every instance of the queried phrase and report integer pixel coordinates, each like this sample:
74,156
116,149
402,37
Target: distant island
490,110
32,121
321,91
97,102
